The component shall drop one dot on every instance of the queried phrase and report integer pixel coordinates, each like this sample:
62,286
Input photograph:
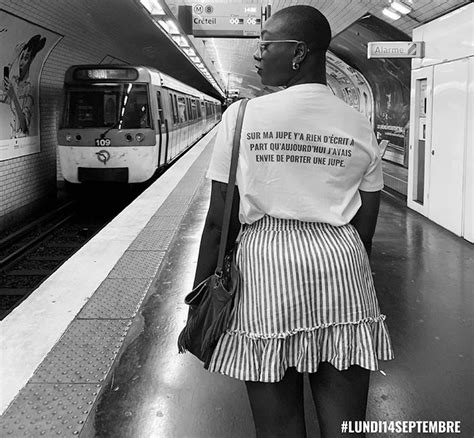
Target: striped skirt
306,297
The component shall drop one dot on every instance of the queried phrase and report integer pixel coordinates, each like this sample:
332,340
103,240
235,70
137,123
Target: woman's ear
300,52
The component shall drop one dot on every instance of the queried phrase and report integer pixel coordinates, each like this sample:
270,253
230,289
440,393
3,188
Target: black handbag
211,302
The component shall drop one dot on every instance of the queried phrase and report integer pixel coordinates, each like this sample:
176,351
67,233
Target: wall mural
24,47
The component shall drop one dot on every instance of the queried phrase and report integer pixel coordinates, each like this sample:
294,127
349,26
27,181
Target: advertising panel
388,76
24,47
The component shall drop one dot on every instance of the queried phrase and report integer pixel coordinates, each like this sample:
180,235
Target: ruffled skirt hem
265,358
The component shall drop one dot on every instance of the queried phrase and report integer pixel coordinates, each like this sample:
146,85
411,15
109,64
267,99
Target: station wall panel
27,182
440,183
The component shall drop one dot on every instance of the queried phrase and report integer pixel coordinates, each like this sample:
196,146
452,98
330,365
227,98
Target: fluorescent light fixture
189,52
172,29
153,7
400,7
183,43
391,13
164,25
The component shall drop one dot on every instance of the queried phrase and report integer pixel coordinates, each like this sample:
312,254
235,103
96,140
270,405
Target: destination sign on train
226,20
105,73
396,49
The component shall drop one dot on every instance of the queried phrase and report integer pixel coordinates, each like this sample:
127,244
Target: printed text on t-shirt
304,148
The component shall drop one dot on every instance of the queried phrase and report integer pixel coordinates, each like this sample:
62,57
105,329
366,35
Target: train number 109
103,142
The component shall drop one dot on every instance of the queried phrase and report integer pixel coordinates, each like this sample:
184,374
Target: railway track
31,254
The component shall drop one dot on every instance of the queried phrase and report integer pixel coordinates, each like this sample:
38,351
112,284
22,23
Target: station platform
93,353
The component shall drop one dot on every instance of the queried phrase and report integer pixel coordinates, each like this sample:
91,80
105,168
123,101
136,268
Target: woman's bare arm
209,248
366,218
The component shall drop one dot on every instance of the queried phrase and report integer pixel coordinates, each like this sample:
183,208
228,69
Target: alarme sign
226,20
396,49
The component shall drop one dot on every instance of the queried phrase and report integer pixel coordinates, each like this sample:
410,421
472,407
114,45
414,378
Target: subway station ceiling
229,60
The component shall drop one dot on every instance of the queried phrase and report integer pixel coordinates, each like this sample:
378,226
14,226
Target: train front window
121,106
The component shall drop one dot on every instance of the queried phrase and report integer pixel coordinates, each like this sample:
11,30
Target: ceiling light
181,41
153,7
391,13
164,25
172,29
189,52
400,7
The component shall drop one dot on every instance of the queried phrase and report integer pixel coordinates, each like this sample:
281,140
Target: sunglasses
262,45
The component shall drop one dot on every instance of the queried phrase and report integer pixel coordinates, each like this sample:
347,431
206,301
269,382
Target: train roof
155,75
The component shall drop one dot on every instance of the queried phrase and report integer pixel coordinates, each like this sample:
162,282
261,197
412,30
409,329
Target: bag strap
230,187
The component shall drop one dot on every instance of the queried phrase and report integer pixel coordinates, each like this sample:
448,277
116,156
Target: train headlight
128,137
139,137
69,138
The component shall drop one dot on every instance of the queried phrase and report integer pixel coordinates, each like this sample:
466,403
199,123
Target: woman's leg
339,396
277,408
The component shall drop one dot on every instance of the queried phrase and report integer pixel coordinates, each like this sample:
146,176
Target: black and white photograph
236,218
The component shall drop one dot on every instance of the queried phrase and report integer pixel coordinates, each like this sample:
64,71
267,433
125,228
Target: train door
181,105
189,125
163,131
202,112
174,130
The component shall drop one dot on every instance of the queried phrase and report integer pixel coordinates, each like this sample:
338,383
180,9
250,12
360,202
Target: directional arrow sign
396,49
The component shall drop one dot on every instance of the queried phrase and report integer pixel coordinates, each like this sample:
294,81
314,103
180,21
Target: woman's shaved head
304,23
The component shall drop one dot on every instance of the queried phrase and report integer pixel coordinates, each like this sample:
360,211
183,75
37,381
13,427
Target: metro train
122,123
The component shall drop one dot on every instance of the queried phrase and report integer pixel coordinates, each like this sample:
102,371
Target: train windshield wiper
109,129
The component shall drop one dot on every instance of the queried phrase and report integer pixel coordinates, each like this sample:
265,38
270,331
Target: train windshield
121,106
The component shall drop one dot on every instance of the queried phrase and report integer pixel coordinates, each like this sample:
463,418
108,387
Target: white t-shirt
304,154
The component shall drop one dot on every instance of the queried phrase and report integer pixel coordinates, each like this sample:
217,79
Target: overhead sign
396,49
228,20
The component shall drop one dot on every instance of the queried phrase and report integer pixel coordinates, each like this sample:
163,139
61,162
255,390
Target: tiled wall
27,181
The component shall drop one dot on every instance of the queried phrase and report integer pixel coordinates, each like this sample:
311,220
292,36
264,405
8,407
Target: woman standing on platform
309,179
